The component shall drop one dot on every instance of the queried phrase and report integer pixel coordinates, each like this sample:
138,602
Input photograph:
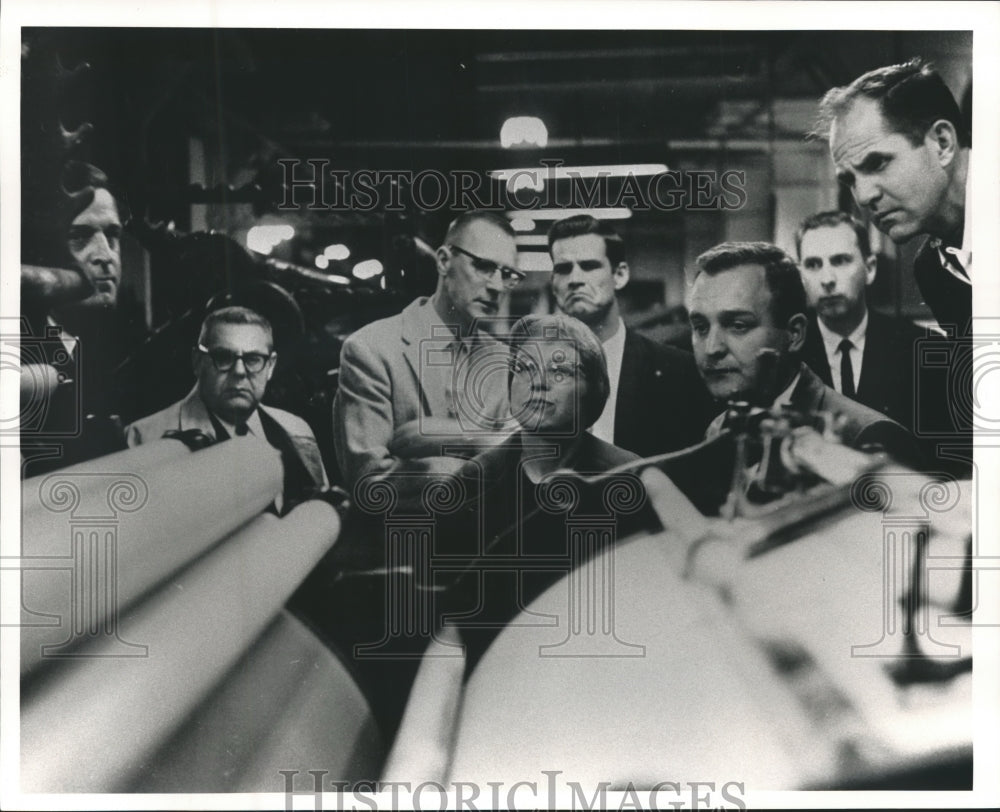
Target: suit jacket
663,404
949,298
862,425
289,434
76,421
395,370
887,378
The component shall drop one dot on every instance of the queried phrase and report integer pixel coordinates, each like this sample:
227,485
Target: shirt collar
617,341
254,426
785,398
68,341
961,257
831,340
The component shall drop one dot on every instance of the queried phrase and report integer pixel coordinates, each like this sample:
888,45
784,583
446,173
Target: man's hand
428,436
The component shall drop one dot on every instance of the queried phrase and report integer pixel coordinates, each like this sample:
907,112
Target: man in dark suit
862,354
658,401
749,327
899,142
73,322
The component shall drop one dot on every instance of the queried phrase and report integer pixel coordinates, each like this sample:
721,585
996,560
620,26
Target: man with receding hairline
429,379
233,363
900,144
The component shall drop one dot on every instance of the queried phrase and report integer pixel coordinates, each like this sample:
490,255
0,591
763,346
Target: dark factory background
193,126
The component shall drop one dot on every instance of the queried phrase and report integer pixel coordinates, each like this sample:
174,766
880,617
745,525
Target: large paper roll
96,718
95,537
289,704
140,460
426,735
38,381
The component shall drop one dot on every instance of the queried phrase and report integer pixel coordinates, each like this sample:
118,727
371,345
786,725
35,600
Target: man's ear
269,367
620,274
443,257
871,265
196,356
944,141
797,327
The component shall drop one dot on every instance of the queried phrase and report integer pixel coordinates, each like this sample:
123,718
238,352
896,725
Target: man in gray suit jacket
418,385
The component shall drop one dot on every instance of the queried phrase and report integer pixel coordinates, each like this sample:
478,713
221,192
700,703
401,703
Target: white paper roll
93,719
96,537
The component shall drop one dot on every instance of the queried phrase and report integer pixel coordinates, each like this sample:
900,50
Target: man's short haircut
832,219
580,224
80,181
235,315
788,296
537,329
911,97
466,219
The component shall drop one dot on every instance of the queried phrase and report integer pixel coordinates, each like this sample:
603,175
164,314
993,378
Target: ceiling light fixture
534,177
559,214
263,238
337,252
522,132
534,261
368,269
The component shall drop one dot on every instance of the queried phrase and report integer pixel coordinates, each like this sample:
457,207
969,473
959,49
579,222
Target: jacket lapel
194,415
877,370
814,353
810,392
628,383
415,331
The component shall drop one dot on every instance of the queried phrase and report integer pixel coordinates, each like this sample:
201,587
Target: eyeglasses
487,267
554,371
225,360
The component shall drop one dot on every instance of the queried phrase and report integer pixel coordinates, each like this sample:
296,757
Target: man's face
235,393
903,185
731,325
94,242
547,386
834,273
471,292
583,281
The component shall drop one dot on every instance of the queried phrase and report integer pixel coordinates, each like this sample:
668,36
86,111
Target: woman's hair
536,330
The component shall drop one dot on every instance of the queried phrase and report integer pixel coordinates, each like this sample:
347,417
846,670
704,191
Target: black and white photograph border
171,632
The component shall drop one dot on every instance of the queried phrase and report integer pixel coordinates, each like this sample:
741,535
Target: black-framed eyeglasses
487,267
225,360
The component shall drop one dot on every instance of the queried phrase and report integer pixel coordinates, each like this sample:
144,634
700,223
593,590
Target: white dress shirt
831,344
614,351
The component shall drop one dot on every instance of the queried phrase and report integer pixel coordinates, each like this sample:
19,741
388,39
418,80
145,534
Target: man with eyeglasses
658,401
431,377
233,362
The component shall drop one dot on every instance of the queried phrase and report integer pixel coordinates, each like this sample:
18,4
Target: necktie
242,429
846,368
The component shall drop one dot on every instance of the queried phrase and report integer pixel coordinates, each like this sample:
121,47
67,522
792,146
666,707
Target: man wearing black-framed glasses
431,378
233,362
